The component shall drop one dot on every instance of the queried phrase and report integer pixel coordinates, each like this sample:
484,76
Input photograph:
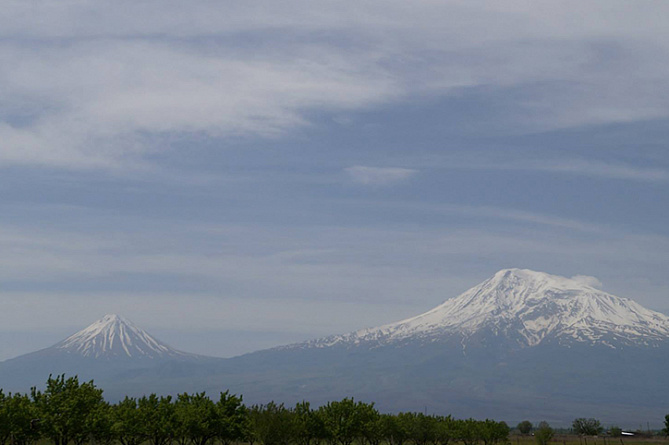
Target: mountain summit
115,337
521,344
523,308
109,350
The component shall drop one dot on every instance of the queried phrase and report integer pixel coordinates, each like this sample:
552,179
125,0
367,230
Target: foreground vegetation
574,439
68,412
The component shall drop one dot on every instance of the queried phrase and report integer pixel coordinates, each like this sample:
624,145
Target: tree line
583,427
68,412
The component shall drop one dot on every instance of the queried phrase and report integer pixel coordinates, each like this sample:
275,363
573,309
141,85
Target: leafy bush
525,427
587,427
544,433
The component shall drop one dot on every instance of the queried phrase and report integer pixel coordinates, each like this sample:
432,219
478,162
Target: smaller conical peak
111,319
114,336
110,322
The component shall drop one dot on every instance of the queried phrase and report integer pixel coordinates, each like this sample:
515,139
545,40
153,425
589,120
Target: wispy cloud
588,281
378,176
595,168
108,102
569,166
91,86
305,263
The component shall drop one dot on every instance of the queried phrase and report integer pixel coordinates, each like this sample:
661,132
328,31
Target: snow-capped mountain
526,308
116,337
109,350
520,345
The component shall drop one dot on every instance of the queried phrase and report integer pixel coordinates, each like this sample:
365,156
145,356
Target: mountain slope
520,345
526,308
109,350
114,337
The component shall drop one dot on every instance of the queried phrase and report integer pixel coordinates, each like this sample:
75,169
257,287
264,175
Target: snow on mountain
527,308
116,337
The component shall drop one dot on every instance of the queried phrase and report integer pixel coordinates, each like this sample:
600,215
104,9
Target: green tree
445,431
308,427
468,431
234,423
342,421
196,419
422,428
525,427
67,409
272,424
5,426
587,427
370,432
127,425
394,429
543,434
158,417
100,424
492,432
616,431
666,425
17,414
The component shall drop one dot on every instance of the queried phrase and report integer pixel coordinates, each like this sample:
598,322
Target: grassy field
513,440
575,440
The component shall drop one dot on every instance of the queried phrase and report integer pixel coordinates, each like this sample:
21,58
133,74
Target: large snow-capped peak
526,308
113,336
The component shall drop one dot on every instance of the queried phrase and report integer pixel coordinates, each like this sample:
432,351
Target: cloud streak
588,281
592,168
378,176
90,86
606,170
116,100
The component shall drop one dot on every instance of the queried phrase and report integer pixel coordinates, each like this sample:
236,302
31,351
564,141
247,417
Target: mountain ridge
108,351
526,307
114,336
490,371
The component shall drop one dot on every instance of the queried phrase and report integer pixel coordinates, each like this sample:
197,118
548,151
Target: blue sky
233,176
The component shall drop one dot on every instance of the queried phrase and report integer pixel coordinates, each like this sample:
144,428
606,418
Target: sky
233,176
